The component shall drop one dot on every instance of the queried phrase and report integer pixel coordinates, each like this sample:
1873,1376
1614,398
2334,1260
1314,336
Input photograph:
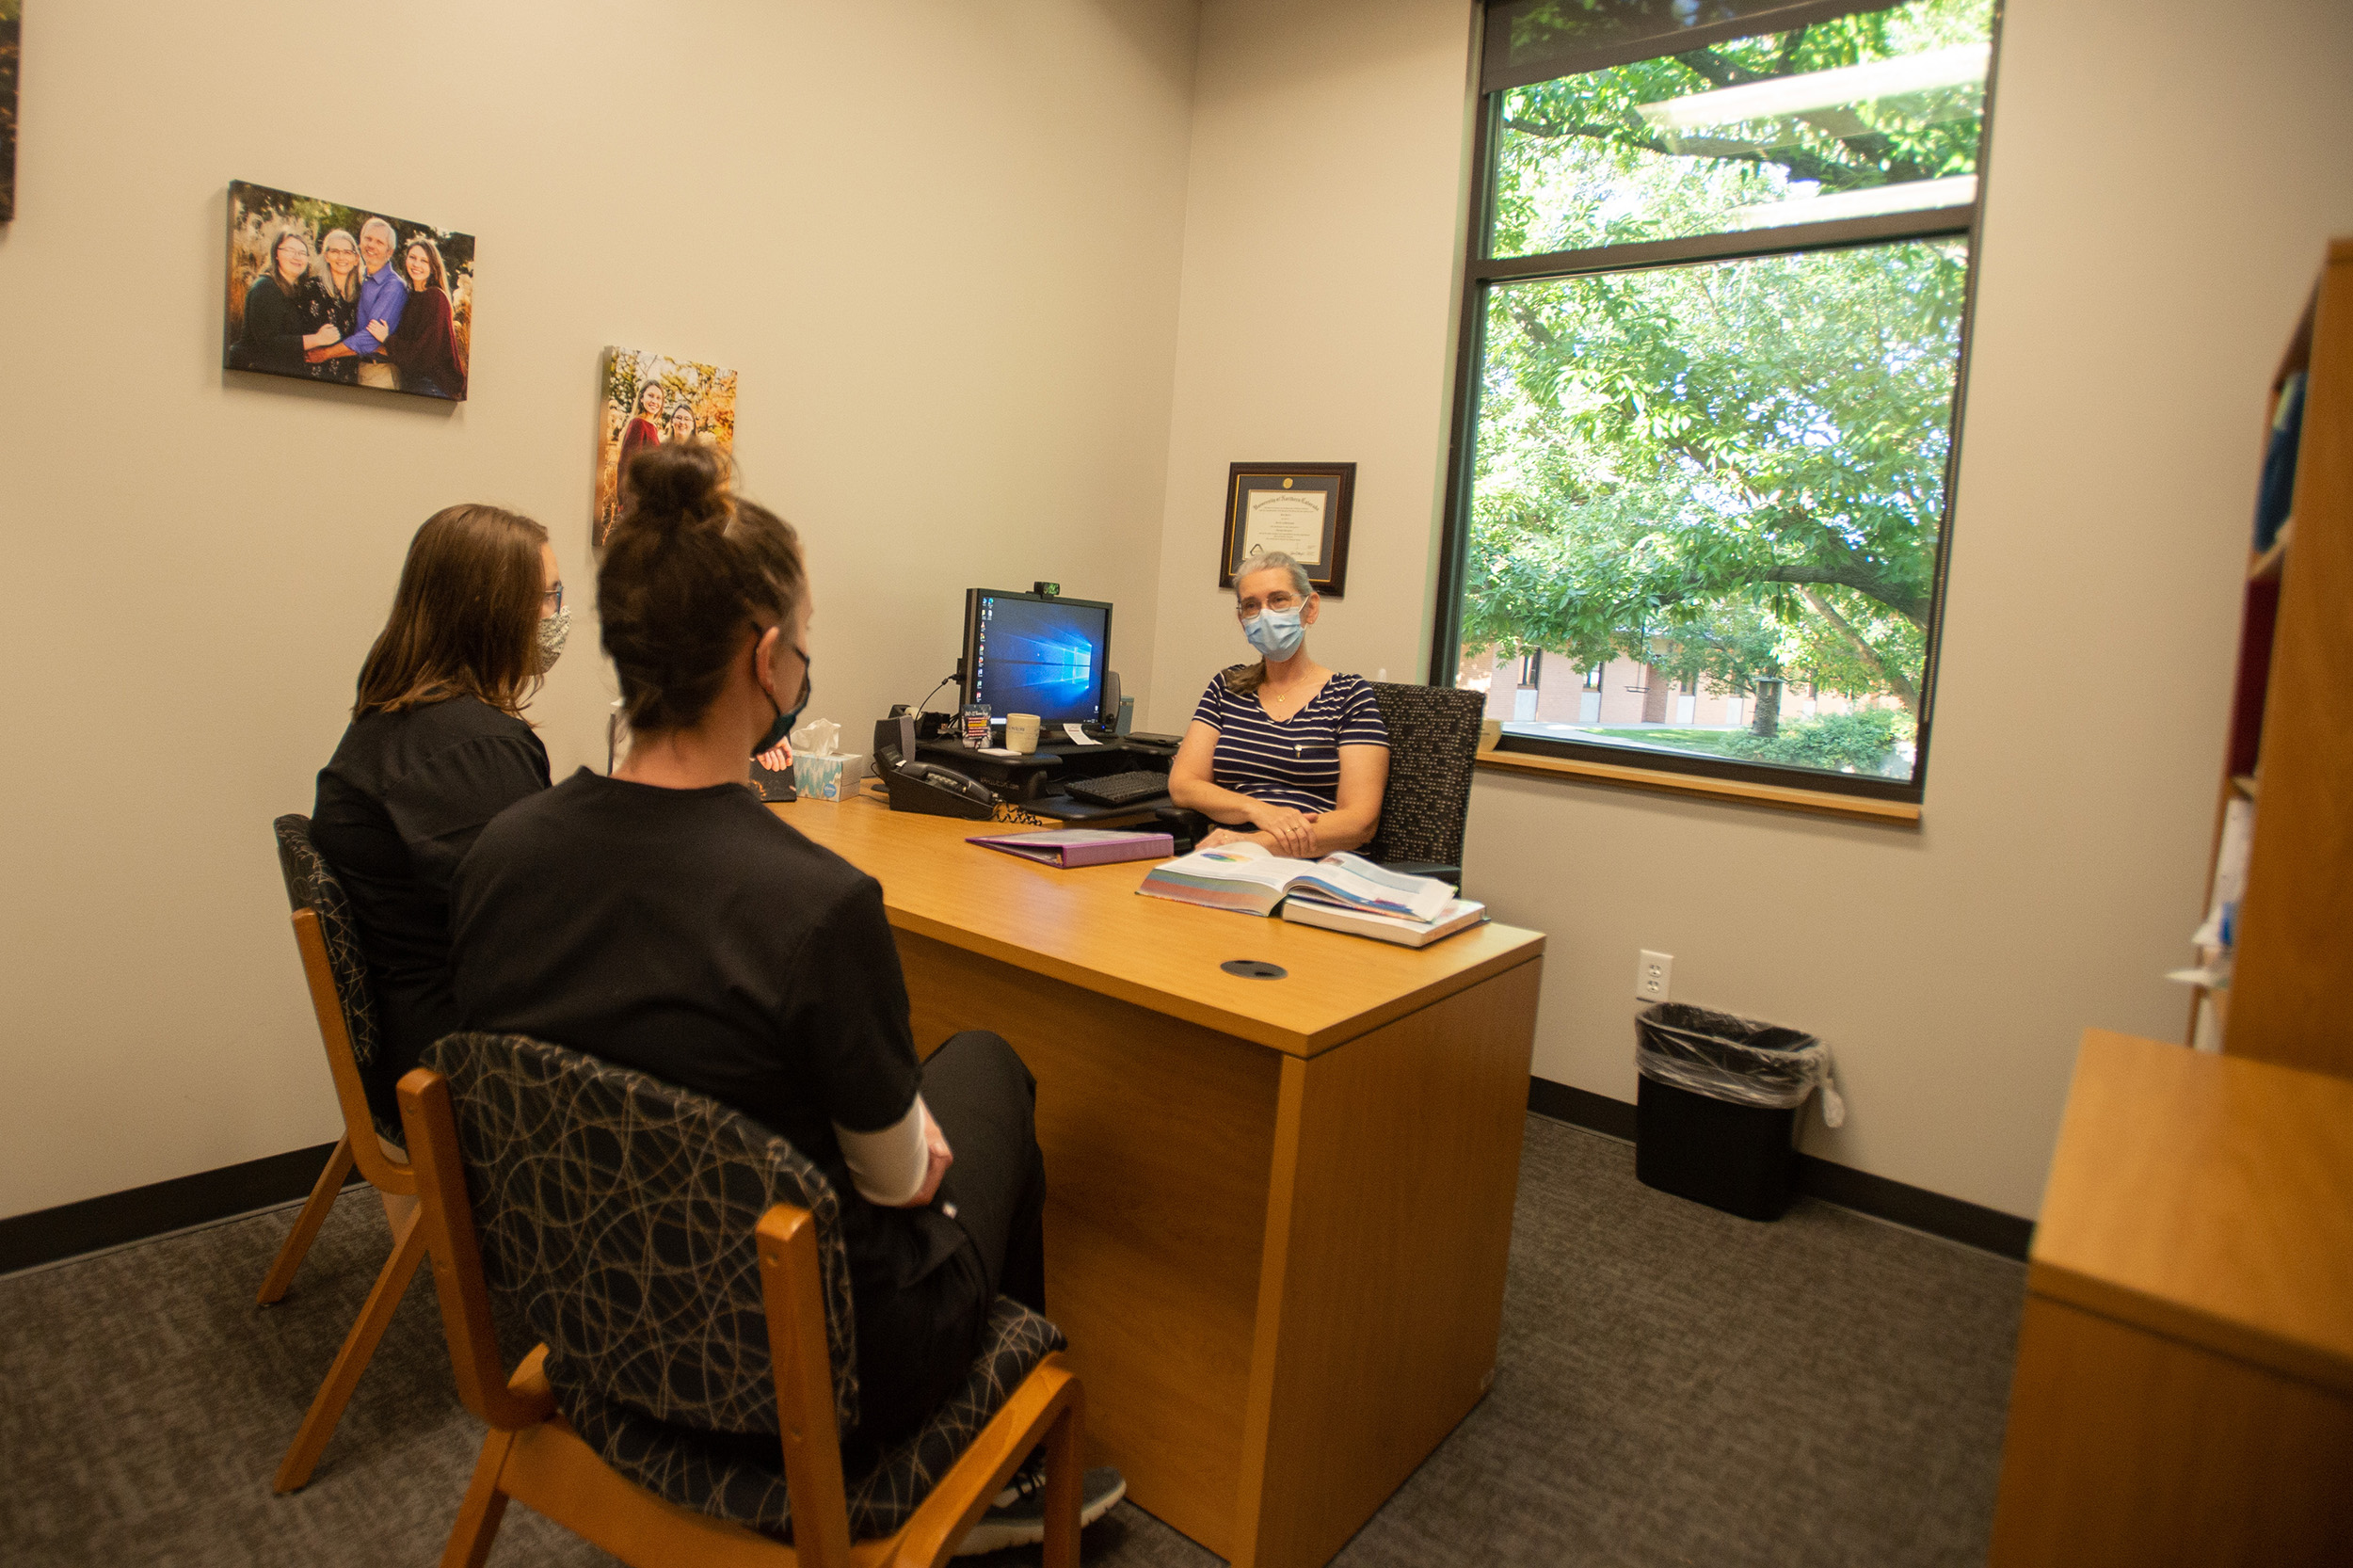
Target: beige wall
1316,323
939,239
2162,179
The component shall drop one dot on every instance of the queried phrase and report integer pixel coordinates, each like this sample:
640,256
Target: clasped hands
1279,828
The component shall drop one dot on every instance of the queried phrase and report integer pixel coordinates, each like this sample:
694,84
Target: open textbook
1243,876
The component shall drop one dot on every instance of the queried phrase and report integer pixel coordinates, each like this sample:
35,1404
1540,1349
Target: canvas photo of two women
347,295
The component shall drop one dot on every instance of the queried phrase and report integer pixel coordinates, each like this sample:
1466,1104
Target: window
1713,329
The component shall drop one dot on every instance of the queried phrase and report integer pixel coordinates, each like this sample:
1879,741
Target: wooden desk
1279,1210
2184,1383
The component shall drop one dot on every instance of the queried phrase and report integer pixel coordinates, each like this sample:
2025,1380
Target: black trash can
1716,1114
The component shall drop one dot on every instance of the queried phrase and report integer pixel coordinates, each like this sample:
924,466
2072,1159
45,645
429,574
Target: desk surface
2209,1199
1089,927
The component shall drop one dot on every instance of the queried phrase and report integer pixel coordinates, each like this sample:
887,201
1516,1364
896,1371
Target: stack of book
1339,892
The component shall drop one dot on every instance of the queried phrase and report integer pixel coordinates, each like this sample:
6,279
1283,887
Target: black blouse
400,804
320,307
693,935
274,329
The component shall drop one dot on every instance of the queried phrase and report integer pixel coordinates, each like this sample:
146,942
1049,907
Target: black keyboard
1118,788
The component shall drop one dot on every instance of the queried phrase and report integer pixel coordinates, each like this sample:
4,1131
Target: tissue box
831,776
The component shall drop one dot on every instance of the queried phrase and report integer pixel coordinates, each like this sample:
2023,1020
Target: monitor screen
1025,653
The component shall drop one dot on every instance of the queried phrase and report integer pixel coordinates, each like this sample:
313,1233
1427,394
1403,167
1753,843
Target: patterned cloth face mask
554,630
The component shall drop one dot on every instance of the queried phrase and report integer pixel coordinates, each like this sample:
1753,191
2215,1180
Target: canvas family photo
345,294
653,400
11,14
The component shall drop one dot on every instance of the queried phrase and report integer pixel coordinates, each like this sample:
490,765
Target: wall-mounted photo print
346,294
653,400
11,15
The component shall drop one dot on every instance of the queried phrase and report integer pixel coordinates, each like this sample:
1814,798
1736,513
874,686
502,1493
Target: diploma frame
1338,483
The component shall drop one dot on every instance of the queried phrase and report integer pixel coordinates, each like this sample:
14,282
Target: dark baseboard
1582,1107
71,1229
95,1223
1876,1195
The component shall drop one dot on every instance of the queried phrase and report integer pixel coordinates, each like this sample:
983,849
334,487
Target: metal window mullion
1880,228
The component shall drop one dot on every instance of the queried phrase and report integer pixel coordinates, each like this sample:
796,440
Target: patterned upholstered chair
338,980
683,1270
1434,751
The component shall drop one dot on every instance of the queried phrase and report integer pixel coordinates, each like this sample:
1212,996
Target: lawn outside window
1713,338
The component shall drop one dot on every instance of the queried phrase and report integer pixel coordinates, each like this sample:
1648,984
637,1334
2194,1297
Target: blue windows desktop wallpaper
1040,657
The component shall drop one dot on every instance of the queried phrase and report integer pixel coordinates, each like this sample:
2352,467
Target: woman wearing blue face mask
1283,752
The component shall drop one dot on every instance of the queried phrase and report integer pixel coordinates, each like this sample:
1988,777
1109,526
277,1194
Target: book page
1358,883
1240,861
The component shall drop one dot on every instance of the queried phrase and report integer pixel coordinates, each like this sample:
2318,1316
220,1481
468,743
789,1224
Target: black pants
916,1343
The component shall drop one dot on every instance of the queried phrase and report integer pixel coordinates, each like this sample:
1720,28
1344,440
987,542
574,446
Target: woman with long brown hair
438,747
424,343
664,920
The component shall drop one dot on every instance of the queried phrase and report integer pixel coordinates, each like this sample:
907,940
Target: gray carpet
1675,1387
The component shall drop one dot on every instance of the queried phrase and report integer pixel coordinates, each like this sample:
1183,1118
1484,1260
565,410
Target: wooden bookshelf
2291,731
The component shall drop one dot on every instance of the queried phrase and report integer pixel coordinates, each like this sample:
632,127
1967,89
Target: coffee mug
1021,732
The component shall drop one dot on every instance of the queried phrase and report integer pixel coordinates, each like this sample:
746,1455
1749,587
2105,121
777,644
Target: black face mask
783,727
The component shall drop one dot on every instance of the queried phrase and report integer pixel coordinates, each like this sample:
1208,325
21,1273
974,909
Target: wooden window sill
1900,813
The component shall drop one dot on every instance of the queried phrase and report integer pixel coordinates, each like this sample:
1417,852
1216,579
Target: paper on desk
1000,751
1078,736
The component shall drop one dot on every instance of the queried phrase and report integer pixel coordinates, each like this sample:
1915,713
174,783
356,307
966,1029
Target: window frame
1482,273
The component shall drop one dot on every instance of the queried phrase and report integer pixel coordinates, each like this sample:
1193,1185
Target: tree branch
1913,607
1895,678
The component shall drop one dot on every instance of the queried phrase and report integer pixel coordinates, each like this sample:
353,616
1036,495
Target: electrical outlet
1654,979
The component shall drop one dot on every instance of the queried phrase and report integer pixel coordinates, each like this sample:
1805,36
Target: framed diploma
1295,509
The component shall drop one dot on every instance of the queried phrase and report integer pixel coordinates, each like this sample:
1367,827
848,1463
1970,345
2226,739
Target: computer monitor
1036,653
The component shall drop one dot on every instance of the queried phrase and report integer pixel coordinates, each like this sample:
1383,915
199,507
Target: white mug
1021,732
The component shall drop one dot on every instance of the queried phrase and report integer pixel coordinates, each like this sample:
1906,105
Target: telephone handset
948,779
927,786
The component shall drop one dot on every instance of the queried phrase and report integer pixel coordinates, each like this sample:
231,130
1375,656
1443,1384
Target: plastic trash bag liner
1735,1059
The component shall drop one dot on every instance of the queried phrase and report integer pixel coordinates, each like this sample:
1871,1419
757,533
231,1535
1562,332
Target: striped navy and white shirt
1296,762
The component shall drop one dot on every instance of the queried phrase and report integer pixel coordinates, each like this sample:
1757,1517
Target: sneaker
1018,1517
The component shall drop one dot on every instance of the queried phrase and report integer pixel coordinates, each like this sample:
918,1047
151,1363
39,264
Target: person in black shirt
665,919
437,747
277,332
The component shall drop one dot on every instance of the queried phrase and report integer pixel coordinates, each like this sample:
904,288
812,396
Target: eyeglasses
553,599
1279,603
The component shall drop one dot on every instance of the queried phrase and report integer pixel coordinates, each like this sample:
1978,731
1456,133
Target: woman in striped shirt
1283,752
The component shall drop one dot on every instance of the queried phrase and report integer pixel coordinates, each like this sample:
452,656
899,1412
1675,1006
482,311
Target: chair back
619,1213
1434,752
311,884
329,939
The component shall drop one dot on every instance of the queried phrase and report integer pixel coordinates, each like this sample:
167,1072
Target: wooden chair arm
450,1239
1051,1394
791,1287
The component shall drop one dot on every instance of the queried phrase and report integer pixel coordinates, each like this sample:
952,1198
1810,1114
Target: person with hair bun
665,919
1285,753
437,747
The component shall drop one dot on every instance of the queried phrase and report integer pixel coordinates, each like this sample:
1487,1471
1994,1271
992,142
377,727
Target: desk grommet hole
1254,969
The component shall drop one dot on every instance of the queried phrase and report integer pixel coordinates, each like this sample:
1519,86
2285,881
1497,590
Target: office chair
1433,754
685,1271
328,941
1434,749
